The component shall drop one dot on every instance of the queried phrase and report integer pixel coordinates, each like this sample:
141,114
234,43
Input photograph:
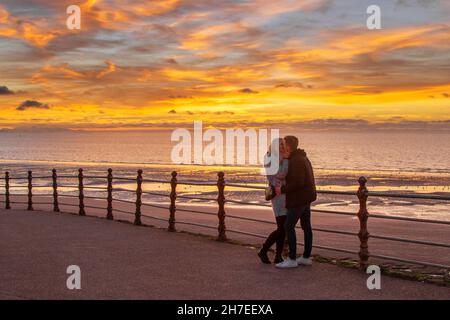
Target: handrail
410,196
423,263
155,194
248,203
362,195
124,178
349,193
381,216
197,183
428,243
197,211
196,198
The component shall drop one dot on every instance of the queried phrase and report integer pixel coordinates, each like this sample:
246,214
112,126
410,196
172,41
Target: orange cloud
37,32
54,72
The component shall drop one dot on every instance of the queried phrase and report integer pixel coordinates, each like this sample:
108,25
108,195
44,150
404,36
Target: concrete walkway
122,261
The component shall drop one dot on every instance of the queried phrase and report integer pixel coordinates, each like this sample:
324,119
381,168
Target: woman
278,204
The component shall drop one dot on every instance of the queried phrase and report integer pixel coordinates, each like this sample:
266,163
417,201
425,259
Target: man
300,190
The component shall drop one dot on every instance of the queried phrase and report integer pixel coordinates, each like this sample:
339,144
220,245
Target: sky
166,63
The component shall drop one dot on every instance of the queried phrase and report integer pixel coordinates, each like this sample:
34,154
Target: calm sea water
404,152
400,162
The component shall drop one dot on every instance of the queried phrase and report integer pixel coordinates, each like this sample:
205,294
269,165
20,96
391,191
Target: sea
393,162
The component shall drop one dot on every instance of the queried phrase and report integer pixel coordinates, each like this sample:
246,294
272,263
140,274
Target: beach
436,183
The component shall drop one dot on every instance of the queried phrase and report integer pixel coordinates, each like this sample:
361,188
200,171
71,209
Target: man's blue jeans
293,215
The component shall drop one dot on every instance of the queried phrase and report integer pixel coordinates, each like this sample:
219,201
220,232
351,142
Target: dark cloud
325,7
31,104
293,85
248,90
445,94
224,112
180,96
172,111
208,113
4,91
395,124
171,61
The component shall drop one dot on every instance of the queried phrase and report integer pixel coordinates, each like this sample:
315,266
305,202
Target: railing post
173,197
30,191
221,201
363,215
7,201
55,191
109,215
137,219
81,192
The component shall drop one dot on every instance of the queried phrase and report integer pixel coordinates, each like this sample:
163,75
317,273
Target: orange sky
160,63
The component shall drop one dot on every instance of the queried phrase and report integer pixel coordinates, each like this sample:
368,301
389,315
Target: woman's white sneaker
288,263
304,261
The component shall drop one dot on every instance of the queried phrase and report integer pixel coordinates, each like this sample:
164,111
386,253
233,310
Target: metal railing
362,214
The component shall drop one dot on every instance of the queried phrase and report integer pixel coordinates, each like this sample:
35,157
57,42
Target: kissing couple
291,191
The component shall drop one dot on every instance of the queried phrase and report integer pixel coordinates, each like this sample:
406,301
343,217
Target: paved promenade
122,261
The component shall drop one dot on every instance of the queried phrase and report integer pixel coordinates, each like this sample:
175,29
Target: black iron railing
362,214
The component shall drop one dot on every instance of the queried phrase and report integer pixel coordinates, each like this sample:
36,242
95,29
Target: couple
293,190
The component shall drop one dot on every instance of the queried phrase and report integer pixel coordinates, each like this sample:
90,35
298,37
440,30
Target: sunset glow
150,64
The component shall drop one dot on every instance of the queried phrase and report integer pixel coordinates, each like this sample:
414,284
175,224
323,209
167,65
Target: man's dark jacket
300,186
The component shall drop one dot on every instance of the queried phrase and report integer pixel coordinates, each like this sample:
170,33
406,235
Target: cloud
31,104
110,68
160,53
4,90
171,61
172,111
209,112
248,90
180,96
224,112
293,85
446,95
65,71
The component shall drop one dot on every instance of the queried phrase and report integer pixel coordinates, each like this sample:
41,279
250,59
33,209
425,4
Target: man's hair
292,142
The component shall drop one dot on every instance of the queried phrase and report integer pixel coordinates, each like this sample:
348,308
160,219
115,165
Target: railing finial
221,201
363,216
30,190
7,200
173,197
109,214
137,218
55,191
81,192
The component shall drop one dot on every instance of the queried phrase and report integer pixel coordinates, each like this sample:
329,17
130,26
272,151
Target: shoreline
226,167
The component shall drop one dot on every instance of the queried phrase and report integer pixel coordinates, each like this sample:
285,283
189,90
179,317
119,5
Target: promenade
122,261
